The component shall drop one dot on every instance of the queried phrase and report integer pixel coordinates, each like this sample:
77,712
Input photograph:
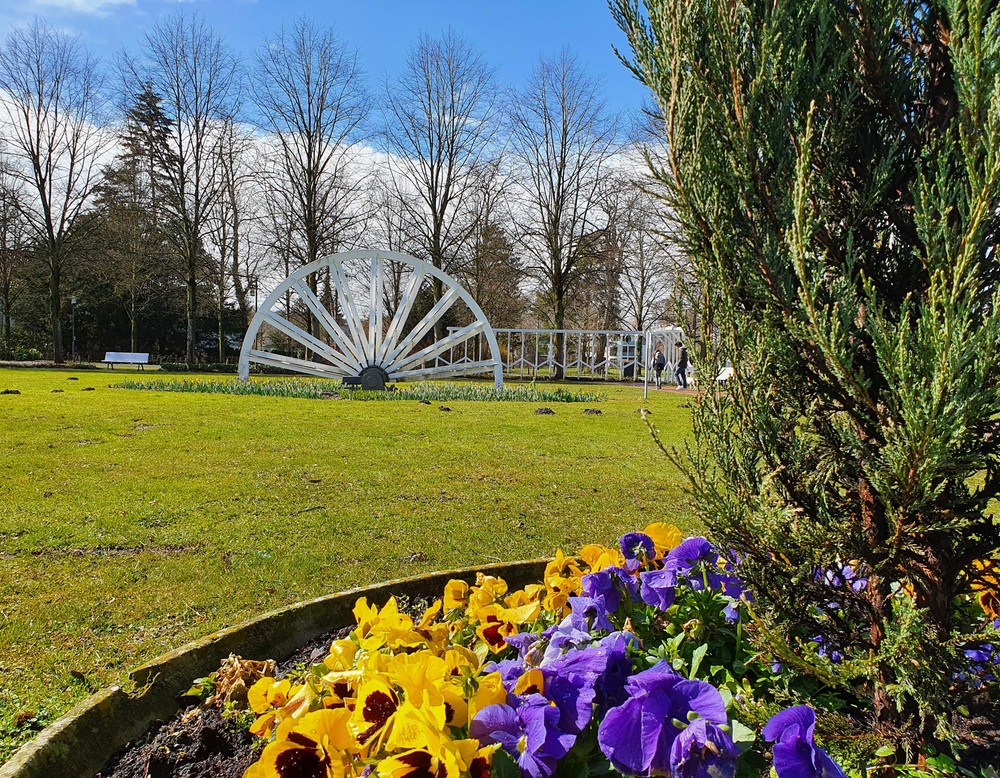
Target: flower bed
636,660
314,389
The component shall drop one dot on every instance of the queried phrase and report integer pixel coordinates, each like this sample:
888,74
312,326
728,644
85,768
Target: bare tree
563,138
440,120
643,251
51,108
493,271
230,227
388,228
13,252
311,99
189,65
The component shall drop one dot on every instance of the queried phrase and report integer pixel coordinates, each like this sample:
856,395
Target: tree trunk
560,322
55,309
133,326
192,302
6,317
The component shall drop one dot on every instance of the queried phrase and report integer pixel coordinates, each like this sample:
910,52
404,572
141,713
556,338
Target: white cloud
98,7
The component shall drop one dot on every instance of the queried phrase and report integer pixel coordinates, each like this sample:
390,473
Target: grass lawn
132,522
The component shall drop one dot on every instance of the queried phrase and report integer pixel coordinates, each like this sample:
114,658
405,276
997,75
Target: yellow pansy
489,691
416,727
457,658
376,706
386,627
342,653
319,745
268,693
456,595
488,589
561,567
597,557
665,536
987,586
531,682
497,622
454,759
531,593
420,676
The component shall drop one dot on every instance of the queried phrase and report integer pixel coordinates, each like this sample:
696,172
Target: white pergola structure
370,348
532,353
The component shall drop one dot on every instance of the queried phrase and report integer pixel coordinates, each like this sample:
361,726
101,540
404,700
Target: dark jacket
682,360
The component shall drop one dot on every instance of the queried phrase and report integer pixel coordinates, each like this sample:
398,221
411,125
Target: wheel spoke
444,371
424,325
354,323
401,315
297,333
298,365
375,306
334,330
437,348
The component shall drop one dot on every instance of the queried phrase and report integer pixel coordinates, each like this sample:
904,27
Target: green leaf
742,735
885,751
504,766
696,657
573,765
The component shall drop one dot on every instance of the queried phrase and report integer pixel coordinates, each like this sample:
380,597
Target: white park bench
724,375
125,358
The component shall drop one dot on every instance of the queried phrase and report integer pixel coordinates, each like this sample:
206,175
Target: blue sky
511,33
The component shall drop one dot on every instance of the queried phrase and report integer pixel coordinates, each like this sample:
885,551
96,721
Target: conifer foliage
835,168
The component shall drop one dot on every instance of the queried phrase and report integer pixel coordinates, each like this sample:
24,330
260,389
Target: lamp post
72,302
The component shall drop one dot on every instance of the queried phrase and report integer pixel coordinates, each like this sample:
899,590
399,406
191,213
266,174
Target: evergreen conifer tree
835,167
132,235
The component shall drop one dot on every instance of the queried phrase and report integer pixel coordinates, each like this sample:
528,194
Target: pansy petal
620,738
801,715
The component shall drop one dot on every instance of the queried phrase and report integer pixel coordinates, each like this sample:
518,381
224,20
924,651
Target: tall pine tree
134,254
836,171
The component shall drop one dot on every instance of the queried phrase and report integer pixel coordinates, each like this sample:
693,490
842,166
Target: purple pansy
526,642
529,733
657,587
609,585
600,587
637,545
796,754
638,735
590,614
826,649
702,750
694,552
587,675
682,559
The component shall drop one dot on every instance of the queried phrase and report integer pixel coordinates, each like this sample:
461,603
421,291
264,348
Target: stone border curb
79,744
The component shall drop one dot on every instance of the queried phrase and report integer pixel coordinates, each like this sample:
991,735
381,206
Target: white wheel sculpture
369,349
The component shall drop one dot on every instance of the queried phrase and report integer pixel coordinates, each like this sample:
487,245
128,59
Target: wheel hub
374,378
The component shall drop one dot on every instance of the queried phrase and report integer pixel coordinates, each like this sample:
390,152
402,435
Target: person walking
659,362
680,372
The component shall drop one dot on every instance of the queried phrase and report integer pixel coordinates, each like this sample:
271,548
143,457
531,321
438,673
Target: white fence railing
590,354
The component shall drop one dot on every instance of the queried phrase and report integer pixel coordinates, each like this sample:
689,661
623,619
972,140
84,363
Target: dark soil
203,743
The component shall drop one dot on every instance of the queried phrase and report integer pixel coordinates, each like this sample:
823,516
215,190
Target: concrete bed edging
79,744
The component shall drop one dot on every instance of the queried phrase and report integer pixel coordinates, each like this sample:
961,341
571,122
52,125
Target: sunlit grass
134,521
